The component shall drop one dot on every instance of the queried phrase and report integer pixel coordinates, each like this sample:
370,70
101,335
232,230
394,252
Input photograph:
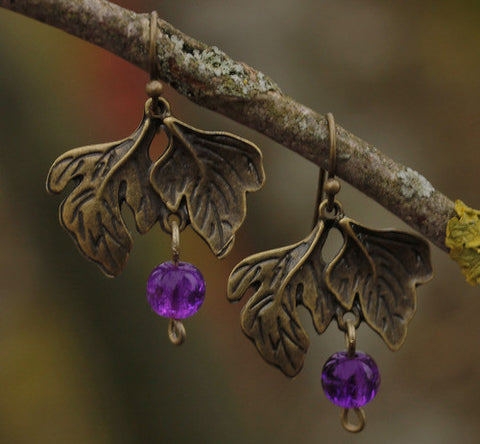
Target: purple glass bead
350,381
175,291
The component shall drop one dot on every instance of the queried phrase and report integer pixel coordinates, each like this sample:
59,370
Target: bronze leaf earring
200,180
371,279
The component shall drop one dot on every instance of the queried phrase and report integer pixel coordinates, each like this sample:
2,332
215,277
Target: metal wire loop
332,134
157,108
342,323
167,219
153,45
350,337
176,332
332,168
175,241
337,210
350,426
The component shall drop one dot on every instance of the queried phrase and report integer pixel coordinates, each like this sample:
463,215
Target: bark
208,77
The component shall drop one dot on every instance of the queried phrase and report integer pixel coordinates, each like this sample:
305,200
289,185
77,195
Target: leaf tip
51,185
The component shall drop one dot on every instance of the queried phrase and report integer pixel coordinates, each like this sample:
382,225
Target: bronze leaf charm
381,268
212,171
106,176
374,274
202,178
282,279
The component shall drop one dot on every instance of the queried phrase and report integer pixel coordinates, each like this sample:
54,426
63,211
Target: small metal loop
175,242
167,218
157,108
342,323
350,338
332,131
153,45
337,210
350,426
176,332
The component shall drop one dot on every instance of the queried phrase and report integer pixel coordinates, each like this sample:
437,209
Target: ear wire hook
331,186
158,106
332,132
153,45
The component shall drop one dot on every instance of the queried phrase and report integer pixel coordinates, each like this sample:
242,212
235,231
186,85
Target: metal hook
321,181
331,186
154,87
332,135
153,45
350,426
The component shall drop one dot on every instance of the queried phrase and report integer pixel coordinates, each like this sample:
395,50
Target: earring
371,279
201,180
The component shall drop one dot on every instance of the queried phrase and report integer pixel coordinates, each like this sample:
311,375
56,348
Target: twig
208,77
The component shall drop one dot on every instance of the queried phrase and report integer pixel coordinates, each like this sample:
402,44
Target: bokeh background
83,359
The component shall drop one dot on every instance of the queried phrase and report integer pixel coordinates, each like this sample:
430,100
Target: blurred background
83,359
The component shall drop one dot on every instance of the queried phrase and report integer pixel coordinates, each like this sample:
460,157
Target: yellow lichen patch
463,239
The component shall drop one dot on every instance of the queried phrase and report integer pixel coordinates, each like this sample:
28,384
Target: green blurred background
83,359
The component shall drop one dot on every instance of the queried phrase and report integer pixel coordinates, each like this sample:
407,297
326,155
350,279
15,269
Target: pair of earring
201,180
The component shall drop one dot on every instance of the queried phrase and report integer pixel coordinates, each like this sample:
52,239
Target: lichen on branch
210,78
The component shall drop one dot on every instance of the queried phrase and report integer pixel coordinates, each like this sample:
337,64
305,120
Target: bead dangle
350,379
372,278
176,290
201,180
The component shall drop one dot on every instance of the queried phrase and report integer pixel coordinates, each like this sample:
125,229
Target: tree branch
208,77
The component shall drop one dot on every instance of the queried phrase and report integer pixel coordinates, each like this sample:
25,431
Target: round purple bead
176,291
350,381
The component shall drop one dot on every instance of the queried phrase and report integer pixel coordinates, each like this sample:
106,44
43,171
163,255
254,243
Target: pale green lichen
463,240
414,183
212,62
343,155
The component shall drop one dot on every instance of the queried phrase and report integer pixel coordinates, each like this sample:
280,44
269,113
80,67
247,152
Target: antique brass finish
321,182
105,177
350,338
331,186
175,242
342,323
152,52
350,426
208,174
332,158
373,275
202,178
154,89
351,345
176,332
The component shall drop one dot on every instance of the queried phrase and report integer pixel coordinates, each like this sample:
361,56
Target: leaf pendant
202,178
374,274
210,173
